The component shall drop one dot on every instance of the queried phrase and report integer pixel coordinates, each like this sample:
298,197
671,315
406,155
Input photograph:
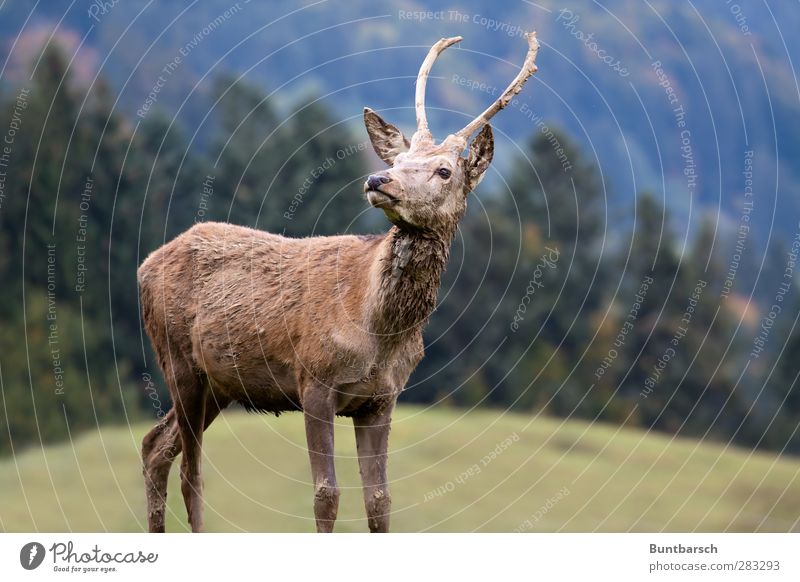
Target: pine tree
652,312
560,197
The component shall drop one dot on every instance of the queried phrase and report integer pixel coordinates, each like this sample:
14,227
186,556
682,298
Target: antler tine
528,69
422,80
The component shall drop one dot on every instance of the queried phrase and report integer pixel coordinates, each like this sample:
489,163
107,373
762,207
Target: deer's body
257,313
327,325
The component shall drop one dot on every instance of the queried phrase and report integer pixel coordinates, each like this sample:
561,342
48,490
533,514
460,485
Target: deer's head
428,182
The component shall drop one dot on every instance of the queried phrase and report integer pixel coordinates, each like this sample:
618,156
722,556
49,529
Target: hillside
729,68
595,477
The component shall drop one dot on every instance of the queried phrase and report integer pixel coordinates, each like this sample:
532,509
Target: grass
549,476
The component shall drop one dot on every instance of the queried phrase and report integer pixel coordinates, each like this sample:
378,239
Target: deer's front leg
319,408
372,442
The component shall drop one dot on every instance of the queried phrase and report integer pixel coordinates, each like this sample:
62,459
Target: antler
528,69
422,79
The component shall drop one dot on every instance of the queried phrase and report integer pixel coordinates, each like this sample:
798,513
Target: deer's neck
406,281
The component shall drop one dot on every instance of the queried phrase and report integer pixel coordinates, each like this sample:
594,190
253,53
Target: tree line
557,300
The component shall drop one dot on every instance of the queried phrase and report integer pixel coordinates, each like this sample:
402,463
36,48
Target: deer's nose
374,181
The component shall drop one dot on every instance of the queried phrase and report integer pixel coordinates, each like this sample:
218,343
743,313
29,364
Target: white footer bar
618,557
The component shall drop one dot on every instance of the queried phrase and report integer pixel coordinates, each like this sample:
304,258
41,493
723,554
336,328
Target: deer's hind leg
159,449
196,407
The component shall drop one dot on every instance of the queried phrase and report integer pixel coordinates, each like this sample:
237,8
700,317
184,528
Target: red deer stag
327,325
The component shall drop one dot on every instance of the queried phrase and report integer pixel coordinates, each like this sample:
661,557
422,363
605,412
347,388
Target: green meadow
451,470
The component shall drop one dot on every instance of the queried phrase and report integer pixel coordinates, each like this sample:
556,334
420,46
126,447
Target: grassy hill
535,475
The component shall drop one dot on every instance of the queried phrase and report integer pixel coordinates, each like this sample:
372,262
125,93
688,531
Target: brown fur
236,314
326,325
258,315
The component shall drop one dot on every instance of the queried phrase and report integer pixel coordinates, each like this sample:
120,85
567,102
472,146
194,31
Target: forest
561,297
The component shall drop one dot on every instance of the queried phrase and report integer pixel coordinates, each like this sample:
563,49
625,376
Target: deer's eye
443,173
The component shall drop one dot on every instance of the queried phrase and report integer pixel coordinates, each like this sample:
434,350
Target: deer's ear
481,151
387,140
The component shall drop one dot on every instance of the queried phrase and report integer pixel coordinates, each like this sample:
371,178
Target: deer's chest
365,381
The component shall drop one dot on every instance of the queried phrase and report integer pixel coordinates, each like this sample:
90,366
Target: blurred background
616,345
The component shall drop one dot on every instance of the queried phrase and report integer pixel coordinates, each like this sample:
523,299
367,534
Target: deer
330,326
